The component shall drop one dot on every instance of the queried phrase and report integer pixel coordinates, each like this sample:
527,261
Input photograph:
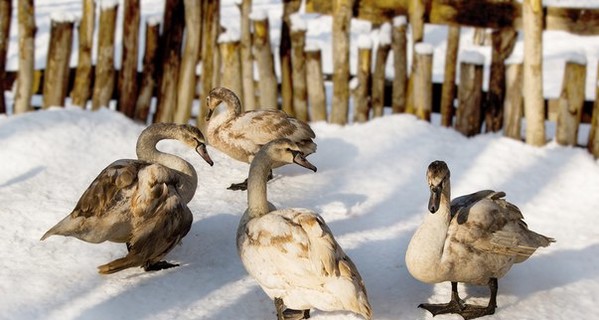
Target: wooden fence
170,59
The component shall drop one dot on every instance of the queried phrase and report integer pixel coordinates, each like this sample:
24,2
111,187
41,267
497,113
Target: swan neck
257,179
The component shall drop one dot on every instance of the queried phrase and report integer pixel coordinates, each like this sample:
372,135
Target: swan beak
434,200
209,115
201,150
301,160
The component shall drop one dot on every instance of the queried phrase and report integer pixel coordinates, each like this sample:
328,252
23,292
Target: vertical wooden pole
56,78
231,63
5,18
534,103
400,64
423,80
593,145
104,78
417,10
247,60
571,101
378,76
264,58
27,29
315,82
289,7
298,64
127,84
362,90
210,32
342,14
191,55
148,78
83,76
448,89
512,104
468,117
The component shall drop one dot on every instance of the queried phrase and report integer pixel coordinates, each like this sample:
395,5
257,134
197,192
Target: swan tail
120,264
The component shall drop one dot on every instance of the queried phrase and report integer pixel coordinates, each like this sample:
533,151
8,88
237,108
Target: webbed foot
453,306
472,311
239,186
160,265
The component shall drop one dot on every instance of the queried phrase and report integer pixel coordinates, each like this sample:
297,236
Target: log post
148,77
5,18
571,101
266,70
210,32
56,79
423,80
248,98
231,62
448,89
400,64
534,104
342,14
83,76
512,104
417,11
127,84
189,61
26,17
315,83
104,78
289,7
468,116
361,89
378,76
503,41
593,145
298,64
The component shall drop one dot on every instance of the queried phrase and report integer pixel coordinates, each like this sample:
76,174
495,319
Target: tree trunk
231,66
298,63
127,85
423,81
378,79
315,82
571,101
104,82
448,89
248,98
5,17
400,66
362,91
289,7
468,117
56,78
148,78
593,144
27,29
83,76
417,10
342,14
210,31
267,82
513,101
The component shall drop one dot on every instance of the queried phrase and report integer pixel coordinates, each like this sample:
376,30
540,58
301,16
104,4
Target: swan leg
455,305
159,266
289,314
472,312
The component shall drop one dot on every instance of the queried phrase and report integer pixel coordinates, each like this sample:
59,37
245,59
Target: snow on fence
195,53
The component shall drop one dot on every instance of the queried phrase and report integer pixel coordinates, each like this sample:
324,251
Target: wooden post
83,76
423,80
534,104
127,84
468,117
400,64
170,45
264,58
248,98
378,76
104,82
512,103
362,88
5,18
289,7
315,82
417,10
571,101
448,89
231,63
593,145
210,32
27,29
298,64
148,78
191,55
56,79
504,41
342,14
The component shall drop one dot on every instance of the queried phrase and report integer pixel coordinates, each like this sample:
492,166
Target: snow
298,24
364,41
400,21
472,57
385,34
229,36
258,15
424,48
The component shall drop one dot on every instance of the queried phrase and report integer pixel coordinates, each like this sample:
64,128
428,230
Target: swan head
194,138
218,95
286,151
437,177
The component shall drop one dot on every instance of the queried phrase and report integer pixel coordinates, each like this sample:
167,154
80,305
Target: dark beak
209,115
434,200
301,160
201,150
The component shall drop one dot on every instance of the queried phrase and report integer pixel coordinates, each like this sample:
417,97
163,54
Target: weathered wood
289,7
448,89
513,104
315,82
148,78
189,61
534,106
171,40
26,17
83,78
266,70
593,144
231,65
298,64
210,32
417,12
503,41
570,103
423,81
127,83
400,65
57,62
105,74
378,76
468,116
5,18
361,92
342,14
248,98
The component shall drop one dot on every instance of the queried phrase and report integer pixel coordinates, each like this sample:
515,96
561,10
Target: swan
292,253
142,203
476,239
240,135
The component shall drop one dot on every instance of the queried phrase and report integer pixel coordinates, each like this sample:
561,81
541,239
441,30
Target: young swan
291,252
476,239
240,135
142,203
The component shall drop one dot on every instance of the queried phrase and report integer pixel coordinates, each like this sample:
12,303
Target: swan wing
263,126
